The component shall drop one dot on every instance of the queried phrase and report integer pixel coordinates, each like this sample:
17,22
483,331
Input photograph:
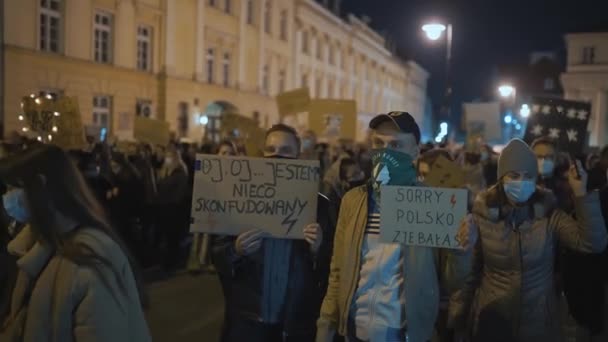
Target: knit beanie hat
517,156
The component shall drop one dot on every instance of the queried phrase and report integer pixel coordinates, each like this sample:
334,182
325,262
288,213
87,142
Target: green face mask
392,168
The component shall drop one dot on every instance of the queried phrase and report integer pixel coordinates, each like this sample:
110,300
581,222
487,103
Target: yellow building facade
186,61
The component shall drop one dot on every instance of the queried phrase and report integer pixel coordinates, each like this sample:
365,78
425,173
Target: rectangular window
226,70
268,17
144,48
331,55
50,25
304,81
212,3
549,84
103,37
319,49
266,79
589,55
304,41
284,25
330,89
210,67
250,11
318,88
101,111
143,107
281,81
228,6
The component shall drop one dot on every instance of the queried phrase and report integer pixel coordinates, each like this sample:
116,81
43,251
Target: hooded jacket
68,302
509,294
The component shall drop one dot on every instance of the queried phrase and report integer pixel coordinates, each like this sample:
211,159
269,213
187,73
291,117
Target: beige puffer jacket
509,294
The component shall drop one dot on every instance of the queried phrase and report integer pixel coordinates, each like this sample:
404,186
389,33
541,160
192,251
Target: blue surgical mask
14,204
519,191
546,167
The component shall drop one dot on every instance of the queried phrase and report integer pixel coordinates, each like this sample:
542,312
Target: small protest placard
70,133
422,216
293,101
444,173
330,117
155,132
235,194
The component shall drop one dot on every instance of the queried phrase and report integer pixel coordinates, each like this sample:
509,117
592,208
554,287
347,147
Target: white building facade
586,79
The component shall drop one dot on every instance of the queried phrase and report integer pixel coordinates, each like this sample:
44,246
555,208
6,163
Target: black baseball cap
404,120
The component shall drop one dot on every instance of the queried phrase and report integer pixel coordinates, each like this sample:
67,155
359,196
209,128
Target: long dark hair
53,184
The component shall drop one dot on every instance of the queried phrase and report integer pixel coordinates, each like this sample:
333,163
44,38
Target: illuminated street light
506,90
524,112
433,31
508,119
203,120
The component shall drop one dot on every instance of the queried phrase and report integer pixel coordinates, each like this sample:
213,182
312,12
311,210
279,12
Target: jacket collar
33,255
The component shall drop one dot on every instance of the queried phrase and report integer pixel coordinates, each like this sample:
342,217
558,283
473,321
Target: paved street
186,308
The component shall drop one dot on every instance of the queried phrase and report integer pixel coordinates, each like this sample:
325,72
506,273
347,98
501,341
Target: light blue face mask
519,191
14,204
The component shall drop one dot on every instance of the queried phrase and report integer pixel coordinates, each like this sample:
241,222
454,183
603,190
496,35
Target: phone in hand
574,160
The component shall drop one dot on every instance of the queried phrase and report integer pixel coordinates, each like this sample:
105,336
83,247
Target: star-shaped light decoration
571,113
546,109
560,109
537,130
582,114
554,133
535,108
572,135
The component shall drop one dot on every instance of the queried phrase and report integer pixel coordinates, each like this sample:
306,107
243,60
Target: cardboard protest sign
244,130
333,118
422,216
155,132
70,133
444,173
235,194
293,101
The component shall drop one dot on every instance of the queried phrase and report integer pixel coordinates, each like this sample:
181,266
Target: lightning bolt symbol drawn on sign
289,222
453,200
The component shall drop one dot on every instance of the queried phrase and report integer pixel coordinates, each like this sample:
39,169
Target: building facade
187,61
586,79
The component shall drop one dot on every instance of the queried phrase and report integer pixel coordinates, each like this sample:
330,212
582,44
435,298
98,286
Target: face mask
307,144
519,191
14,204
392,168
545,167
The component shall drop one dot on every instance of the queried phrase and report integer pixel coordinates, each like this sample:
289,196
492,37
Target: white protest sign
421,216
235,194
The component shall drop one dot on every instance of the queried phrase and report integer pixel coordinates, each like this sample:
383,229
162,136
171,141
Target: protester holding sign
510,295
274,286
374,287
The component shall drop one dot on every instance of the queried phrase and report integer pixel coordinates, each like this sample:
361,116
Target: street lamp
524,111
434,31
507,90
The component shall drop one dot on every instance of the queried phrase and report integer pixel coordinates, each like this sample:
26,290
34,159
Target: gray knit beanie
517,156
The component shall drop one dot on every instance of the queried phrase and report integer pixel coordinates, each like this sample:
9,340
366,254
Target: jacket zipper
374,296
521,280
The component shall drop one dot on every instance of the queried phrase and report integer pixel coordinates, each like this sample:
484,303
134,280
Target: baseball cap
404,120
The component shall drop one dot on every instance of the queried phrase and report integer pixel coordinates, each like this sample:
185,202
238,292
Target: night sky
487,33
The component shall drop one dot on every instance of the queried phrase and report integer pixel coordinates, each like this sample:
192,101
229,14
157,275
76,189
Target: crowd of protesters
78,228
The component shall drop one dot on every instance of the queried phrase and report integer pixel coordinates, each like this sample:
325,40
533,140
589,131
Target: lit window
50,25
284,25
143,108
144,48
268,17
103,37
210,67
226,70
101,111
250,11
